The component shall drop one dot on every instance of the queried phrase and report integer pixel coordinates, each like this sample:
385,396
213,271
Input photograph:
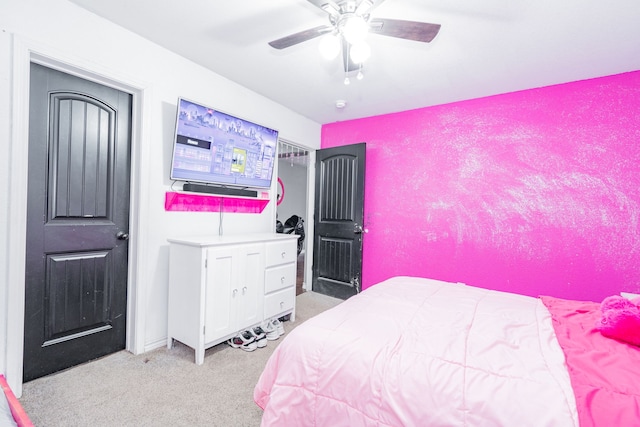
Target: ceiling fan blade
410,30
300,37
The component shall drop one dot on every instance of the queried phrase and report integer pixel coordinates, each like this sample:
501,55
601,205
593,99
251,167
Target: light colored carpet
161,387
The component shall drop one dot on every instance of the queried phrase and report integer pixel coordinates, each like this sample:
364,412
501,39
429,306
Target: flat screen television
213,147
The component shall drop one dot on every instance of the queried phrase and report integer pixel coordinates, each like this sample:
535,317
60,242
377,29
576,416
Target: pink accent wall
534,192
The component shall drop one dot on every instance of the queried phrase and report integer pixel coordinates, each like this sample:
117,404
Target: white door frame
25,52
310,229
310,205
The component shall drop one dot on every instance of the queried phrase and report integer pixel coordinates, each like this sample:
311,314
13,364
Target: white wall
5,133
59,32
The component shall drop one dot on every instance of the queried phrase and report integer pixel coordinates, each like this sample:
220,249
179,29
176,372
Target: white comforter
420,352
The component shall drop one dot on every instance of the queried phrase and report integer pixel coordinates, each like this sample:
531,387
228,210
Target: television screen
216,148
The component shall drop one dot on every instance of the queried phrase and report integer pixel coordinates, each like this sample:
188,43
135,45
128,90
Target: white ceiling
485,47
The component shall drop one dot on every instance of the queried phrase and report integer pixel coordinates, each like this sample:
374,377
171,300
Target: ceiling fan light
355,29
329,46
359,52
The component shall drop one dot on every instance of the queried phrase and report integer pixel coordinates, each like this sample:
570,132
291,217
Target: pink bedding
420,352
605,373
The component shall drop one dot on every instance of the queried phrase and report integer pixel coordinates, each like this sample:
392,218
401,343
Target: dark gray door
338,217
77,221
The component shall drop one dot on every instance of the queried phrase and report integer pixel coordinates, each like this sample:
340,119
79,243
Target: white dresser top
231,239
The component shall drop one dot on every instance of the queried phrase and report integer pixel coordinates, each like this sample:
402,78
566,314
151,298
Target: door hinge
204,329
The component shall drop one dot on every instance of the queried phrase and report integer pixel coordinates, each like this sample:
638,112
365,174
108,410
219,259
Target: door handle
121,235
355,282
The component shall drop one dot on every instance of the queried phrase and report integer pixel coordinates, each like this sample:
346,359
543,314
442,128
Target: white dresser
219,285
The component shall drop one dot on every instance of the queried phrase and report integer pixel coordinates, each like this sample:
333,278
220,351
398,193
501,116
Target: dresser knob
284,254
282,279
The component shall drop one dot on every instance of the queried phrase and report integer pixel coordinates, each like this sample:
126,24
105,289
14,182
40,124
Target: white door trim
309,207
25,52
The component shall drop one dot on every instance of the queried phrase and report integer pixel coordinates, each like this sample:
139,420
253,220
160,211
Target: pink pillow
620,319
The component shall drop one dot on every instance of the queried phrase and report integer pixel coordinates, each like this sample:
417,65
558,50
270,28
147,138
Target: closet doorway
293,168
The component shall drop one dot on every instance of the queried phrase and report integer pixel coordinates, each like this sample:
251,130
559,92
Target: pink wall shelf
175,201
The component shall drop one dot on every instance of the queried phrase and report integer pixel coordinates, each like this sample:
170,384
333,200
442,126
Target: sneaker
270,330
278,325
244,340
285,318
259,336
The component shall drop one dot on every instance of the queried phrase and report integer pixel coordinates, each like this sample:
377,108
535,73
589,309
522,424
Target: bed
419,352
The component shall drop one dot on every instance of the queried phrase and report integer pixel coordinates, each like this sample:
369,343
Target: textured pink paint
534,192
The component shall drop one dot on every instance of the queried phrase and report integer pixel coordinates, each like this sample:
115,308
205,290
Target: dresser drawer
280,277
281,252
279,302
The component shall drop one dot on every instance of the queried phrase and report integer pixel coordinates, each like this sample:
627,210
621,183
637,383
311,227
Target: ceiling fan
349,22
